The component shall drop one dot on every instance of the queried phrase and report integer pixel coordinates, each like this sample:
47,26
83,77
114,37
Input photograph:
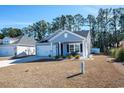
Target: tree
5,31
49,29
1,36
78,22
69,22
40,29
121,21
56,24
11,32
92,24
107,28
62,22
114,24
14,32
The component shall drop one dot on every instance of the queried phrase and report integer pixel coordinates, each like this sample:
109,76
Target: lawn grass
99,73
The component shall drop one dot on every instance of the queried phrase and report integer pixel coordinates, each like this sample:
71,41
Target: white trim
63,31
74,47
82,48
56,35
59,48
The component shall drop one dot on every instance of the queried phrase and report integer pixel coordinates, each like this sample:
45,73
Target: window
77,48
71,48
74,47
65,35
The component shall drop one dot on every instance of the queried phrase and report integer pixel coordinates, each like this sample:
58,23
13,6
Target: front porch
66,48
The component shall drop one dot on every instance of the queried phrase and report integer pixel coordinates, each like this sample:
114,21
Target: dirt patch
99,73
4,58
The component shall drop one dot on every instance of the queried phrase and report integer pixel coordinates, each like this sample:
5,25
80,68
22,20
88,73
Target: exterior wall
1,41
7,50
66,37
8,40
25,50
65,49
46,50
47,47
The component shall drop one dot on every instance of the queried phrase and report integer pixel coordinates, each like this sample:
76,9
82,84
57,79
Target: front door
61,49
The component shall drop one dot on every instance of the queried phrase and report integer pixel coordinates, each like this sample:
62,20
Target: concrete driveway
4,63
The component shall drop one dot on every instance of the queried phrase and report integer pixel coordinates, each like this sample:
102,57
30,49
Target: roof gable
80,34
26,40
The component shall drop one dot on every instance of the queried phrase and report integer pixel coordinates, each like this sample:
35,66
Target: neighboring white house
9,40
121,43
7,47
25,46
64,42
20,46
7,50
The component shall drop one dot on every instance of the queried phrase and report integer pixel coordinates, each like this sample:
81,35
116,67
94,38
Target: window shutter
67,48
81,47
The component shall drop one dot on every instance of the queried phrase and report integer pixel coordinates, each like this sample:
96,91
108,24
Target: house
20,46
7,47
121,43
9,40
25,46
64,42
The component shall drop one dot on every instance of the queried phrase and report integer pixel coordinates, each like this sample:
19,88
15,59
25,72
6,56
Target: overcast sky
21,16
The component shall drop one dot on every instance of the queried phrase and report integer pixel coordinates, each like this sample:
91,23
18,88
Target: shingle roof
82,33
27,41
50,36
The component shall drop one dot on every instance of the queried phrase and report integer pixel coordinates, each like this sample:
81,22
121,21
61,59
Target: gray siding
70,38
65,49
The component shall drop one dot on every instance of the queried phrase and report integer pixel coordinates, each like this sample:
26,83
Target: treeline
107,28
10,32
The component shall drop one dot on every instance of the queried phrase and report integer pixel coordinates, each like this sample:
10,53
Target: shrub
112,52
63,56
119,55
70,56
56,57
49,55
74,53
77,57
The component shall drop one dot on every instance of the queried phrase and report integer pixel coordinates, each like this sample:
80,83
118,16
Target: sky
20,16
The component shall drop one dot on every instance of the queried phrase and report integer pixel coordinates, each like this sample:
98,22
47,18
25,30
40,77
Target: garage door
45,50
7,51
24,51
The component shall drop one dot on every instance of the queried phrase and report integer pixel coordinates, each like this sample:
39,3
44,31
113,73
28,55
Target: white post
51,48
82,49
82,67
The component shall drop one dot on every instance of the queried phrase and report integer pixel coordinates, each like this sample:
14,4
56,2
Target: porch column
86,54
83,49
59,48
51,46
